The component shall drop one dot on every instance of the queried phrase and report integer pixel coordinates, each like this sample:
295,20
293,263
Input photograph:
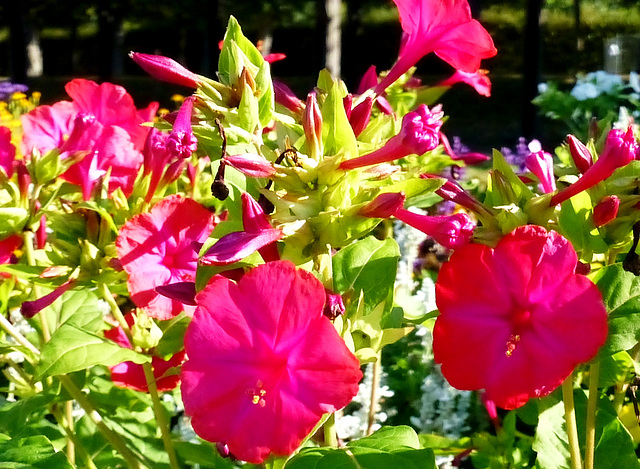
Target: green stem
74,438
592,405
161,418
329,428
13,332
376,369
115,310
29,252
570,419
112,437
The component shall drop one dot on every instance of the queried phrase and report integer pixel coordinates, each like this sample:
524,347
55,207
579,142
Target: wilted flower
540,163
516,320
278,363
156,249
420,133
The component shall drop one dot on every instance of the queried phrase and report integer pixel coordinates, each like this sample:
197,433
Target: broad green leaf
614,446
506,186
388,438
337,134
204,454
237,52
34,452
266,98
172,335
577,225
621,295
13,415
616,369
367,266
81,308
71,349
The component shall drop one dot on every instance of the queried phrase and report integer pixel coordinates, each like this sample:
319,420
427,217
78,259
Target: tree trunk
531,66
17,15
333,38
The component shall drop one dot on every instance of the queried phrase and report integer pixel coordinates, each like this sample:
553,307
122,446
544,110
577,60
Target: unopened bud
606,210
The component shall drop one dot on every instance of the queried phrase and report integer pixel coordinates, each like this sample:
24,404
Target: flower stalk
570,419
592,406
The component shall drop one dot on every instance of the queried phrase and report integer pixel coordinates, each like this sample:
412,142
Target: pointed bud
24,179
540,163
287,98
452,231
312,125
30,308
384,205
235,246
254,220
166,69
420,133
369,80
181,142
251,164
361,115
619,150
41,233
606,210
580,154
453,192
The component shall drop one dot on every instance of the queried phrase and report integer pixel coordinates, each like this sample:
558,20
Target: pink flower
7,151
156,249
453,192
443,27
7,247
287,98
131,375
619,150
181,142
516,320
166,69
419,134
251,164
540,163
264,362
469,158
30,308
109,133
606,210
478,80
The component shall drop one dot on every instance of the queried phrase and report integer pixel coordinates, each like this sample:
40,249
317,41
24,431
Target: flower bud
619,150
251,164
580,154
606,210
361,115
540,163
384,205
287,98
30,308
333,306
312,125
184,292
145,333
166,69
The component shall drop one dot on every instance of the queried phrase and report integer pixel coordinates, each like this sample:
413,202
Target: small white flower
583,91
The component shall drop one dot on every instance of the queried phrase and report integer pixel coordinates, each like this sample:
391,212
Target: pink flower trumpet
166,69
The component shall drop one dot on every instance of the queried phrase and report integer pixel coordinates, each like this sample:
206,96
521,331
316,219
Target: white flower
542,88
583,91
634,81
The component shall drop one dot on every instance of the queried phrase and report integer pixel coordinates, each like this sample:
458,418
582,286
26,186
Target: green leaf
614,446
388,438
81,308
248,111
621,295
367,266
172,335
12,220
337,135
616,369
577,225
31,452
71,349
506,186
13,415
266,98
237,52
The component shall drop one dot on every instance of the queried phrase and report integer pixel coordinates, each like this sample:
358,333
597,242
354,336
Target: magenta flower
469,158
7,151
258,235
287,98
515,320
156,249
479,80
251,164
540,163
312,126
606,210
30,308
451,191
619,150
131,375
181,142
451,231
443,27
8,246
166,69
419,134
264,362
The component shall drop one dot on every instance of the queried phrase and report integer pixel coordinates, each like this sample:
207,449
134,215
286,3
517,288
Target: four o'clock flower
251,164
452,231
420,133
478,80
619,150
469,158
508,316
7,151
264,362
181,142
287,98
156,249
540,163
166,69
443,27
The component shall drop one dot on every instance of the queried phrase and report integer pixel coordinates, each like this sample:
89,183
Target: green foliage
35,452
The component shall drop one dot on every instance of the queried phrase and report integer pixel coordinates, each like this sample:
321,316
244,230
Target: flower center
519,322
257,394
